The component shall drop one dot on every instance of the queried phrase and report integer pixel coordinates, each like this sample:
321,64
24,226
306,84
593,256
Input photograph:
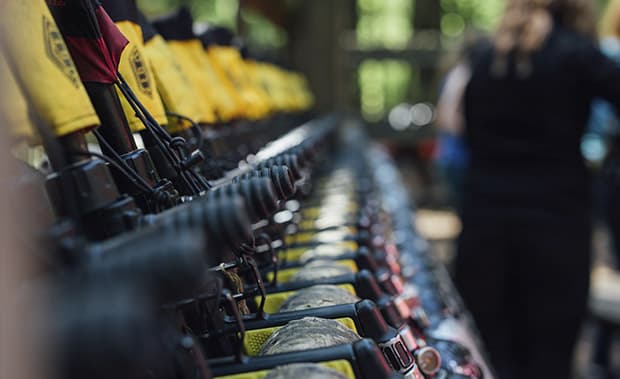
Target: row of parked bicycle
307,270
190,217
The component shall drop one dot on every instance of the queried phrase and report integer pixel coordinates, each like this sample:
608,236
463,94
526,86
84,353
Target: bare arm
450,108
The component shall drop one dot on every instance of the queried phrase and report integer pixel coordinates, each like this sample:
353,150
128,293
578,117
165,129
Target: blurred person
17,340
602,144
17,343
523,261
451,155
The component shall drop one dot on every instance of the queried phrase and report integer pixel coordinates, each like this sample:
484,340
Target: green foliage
384,23
154,8
480,14
383,84
389,24
601,4
219,12
261,32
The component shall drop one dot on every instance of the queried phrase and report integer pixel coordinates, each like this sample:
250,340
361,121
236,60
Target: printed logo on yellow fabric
138,65
57,51
233,79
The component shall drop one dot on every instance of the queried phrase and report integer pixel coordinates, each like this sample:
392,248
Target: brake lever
260,286
231,304
273,253
189,345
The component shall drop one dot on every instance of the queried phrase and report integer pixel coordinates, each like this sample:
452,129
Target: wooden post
315,48
427,19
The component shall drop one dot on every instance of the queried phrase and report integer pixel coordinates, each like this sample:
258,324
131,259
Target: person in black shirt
523,259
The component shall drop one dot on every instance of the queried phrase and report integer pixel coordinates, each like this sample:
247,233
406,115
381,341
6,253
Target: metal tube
114,125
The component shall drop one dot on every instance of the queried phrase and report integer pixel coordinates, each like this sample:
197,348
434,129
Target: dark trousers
524,275
604,331
612,217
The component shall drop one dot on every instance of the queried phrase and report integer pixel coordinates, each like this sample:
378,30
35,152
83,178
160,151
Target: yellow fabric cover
13,106
268,78
227,96
197,78
217,95
306,97
280,86
174,87
256,75
288,90
341,365
230,65
138,74
43,67
255,339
